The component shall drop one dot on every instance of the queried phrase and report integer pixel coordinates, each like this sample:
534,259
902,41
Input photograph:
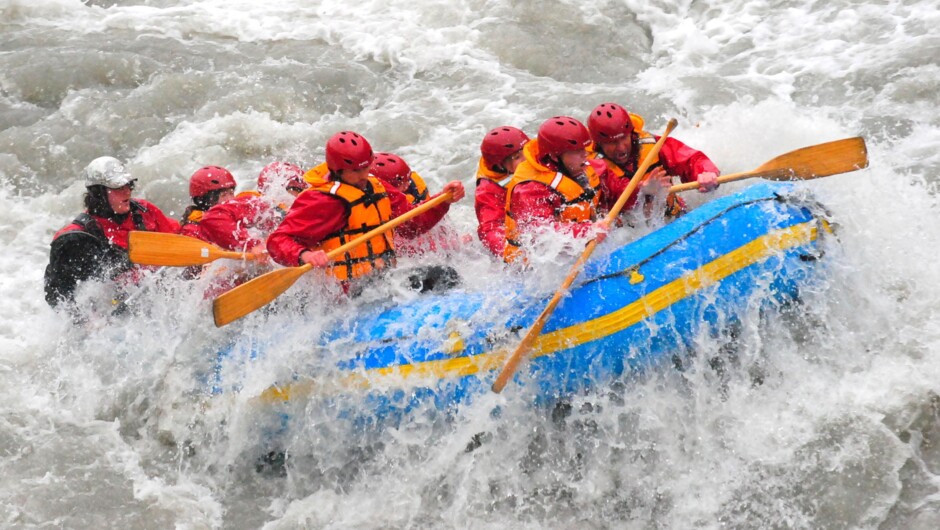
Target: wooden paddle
175,250
260,291
512,364
830,158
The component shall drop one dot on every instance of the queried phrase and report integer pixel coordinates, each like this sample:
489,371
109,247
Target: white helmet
107,171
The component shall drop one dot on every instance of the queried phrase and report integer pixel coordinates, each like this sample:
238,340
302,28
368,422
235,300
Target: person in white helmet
94,245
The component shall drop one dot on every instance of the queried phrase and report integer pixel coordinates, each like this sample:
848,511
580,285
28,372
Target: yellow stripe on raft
565,338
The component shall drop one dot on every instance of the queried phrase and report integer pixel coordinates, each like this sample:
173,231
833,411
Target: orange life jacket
485,173
318,175
417,190
367,209
578,202
192,217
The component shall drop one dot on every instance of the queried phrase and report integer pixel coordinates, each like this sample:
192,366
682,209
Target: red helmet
348,150
391,168
560,134
210,178
609,122
282,172
500,143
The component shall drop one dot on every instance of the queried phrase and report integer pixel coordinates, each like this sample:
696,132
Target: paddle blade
172,250
822,160
255,294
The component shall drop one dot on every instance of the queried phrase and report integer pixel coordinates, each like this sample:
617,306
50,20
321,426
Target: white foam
748,80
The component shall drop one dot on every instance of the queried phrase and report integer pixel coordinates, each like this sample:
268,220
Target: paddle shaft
444,197
342,249
512,364
686,186
262,290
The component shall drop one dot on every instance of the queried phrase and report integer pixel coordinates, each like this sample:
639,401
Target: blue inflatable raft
634,307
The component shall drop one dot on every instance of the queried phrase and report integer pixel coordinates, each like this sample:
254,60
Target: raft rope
633,269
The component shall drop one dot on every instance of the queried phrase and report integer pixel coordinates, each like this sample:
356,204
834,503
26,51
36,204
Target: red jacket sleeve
613,186
311,218
227,224
680,159
490,204
534,204
677,159
420,224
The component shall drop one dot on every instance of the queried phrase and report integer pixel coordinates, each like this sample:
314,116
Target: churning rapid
828,418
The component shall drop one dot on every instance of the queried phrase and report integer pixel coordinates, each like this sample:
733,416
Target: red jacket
189,224
228,224
534,203
676,158
191,230
440,238
151,217
315,215
490,204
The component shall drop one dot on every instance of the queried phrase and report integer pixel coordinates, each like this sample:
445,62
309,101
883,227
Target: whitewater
829,419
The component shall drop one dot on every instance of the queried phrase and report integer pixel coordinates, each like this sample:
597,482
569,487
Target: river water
829,419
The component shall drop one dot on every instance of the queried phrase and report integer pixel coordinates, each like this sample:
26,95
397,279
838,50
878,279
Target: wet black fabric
79,256
433,278
424,279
